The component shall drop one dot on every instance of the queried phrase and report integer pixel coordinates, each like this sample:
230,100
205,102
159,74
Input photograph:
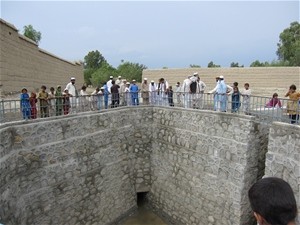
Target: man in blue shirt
134,90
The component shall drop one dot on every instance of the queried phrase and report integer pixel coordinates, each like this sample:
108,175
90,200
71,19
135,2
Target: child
293,106
25,104
235,100
66,102
246,98
170,96
58,101
33,102
273,202
100,95
274,101
51,99
43,97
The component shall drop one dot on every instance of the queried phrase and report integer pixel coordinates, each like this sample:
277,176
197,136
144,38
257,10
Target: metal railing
11,110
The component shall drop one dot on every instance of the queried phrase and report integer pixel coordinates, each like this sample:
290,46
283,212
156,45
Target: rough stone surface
87,168
203,165
74,170
283,156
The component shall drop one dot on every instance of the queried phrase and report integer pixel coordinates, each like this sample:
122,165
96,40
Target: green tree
32,34
256,63
212,65
101,75
131,71
194,66
289,45
94,60
233,64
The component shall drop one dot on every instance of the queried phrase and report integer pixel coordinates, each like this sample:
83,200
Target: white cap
195,74
119,77
221,77
127,83
111,77
72,78
133,80
145,78
102,88
152,81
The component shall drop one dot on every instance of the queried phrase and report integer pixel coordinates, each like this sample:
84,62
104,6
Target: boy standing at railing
43,97
246,93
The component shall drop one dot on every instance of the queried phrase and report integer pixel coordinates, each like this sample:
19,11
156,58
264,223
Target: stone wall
264,81
283,157
83,169
23,63
203,165
86,169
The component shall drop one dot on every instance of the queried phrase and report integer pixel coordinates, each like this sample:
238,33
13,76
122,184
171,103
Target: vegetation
194,66
97,70
289,45
288,51
233,64
32,34
212,65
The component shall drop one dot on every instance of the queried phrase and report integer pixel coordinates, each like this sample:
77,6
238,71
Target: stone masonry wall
23,63
83,169
202,166
283,157
86,169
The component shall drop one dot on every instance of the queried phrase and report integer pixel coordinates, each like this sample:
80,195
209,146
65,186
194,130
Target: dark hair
275,94
83,87
247,84
293,87
274,200
113,82
235,84
43,87
52,89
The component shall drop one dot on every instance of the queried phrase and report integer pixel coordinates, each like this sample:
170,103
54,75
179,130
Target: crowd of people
121,92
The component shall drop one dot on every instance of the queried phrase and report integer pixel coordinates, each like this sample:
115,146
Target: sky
157,34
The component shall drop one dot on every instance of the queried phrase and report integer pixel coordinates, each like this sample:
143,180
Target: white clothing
153,93
109,85
185,89
73,101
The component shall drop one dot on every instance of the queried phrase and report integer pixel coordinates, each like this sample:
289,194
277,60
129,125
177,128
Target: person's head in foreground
273,202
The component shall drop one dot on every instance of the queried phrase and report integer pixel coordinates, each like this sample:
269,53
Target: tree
289,44
233,64
194,66
131,71
101,75
212,65
94,60
32,34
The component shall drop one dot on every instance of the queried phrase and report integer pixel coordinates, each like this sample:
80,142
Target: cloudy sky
158,34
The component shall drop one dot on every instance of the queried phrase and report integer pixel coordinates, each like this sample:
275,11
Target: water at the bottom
143,216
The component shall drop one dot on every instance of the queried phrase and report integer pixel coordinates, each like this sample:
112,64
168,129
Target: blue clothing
106,93
25,105
235,101
222,95
134,94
